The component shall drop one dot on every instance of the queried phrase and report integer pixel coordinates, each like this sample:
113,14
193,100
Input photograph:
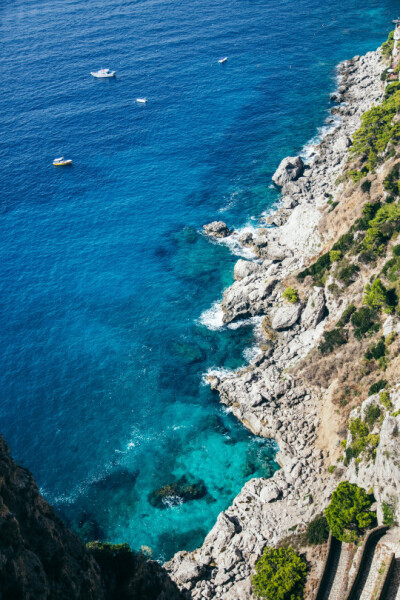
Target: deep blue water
103,271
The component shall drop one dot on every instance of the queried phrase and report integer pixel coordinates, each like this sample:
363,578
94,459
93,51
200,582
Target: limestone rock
277,252
314,311
246,238
189,570
247,297
217,229
243,268
270,492
286,316
290,169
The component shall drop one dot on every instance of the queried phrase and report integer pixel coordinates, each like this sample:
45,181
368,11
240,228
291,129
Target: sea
109,314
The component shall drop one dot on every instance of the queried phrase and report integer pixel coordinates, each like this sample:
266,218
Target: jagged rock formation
217,229
290,169
41,559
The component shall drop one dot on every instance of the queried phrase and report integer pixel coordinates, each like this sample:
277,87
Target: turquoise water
104,273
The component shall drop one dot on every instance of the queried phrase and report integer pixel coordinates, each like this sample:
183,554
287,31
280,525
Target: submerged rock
290,169
176,493
217,229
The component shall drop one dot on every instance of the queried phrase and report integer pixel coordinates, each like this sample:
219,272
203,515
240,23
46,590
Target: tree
376,295
280,574
347,513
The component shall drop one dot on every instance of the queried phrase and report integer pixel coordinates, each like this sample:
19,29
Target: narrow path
393,589
337,592
369,571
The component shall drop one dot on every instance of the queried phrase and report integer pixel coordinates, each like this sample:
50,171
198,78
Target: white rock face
243,268
290,169
314,311
247,297
383,474
285,316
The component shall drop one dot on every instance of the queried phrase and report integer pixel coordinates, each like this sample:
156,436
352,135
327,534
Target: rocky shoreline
263,396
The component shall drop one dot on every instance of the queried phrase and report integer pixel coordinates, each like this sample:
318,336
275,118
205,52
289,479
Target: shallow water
104,275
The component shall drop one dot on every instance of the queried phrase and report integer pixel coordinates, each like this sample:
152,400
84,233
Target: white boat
103,73
222,60
141,100
62,162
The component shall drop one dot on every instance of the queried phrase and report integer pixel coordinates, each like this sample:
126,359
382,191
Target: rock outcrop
217,229
41,559
290,169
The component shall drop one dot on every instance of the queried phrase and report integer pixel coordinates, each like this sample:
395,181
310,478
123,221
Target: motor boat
141,100
222,60
103,73
62,162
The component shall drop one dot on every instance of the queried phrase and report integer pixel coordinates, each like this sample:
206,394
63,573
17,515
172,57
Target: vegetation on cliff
280,574
348,513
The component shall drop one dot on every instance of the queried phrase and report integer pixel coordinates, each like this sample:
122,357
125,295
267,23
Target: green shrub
348,512
376,295
377,387
362,442
335,255
317,269
372,414
387,47
392,88
355,175
346,315
364,321
388,513
384,397
291,295
391,269
317,531
391,181
334,289
344,243
366,186
377,350
368,213
377,130
396,250
332,339
346,274
280,574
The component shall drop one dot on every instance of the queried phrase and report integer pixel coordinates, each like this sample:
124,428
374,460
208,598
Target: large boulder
243,268
290,169
314,311
285,316
217,229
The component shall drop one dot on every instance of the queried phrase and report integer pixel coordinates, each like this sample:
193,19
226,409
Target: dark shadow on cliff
41,559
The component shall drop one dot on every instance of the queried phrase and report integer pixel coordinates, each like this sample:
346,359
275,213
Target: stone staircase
370,573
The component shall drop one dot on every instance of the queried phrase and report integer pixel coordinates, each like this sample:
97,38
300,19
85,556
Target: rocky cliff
41,559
